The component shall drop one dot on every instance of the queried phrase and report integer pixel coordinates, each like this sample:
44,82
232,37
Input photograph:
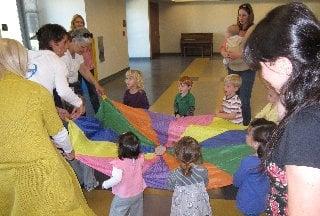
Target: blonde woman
135,96
34,178
78,23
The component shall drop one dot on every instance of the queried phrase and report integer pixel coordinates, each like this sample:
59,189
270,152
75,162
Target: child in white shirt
231,105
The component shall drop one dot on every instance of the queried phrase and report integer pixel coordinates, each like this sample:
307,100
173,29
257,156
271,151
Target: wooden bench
202,42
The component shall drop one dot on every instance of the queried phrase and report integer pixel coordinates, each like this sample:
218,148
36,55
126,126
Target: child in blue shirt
250,177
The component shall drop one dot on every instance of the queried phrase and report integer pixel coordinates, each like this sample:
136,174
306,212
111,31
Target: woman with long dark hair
236,65
285,45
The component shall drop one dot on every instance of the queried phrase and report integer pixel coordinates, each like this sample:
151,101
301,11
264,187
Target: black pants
62,104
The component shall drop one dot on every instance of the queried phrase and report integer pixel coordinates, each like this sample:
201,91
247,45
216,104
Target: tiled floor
161,79
158,75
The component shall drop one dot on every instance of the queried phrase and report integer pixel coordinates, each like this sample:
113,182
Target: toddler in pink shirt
126,179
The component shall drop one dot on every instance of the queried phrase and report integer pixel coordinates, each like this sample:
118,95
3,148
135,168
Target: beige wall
176,18
104,18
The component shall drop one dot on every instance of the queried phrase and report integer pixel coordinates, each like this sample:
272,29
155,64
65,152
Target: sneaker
92,187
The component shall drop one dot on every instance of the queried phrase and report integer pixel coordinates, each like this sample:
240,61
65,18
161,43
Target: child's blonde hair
233,30
186,80
137,76
72,26
234,79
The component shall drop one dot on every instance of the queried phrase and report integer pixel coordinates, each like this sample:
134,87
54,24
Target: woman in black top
286,46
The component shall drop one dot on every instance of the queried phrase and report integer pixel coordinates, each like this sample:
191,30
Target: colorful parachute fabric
223,143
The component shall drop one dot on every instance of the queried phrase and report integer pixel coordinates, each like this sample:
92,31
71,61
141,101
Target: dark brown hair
291,31
187,151
248,8
262,131
129,146
48,33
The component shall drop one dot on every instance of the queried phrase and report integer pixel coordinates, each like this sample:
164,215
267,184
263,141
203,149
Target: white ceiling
187,0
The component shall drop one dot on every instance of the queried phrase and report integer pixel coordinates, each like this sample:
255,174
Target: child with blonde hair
231,105
184,102
189,181
270,111
135,96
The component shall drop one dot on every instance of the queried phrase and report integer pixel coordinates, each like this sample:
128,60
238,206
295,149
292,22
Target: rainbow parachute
223,143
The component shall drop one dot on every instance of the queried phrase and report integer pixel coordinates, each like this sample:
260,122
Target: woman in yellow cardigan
34,178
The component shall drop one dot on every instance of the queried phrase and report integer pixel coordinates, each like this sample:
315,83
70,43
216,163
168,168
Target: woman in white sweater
46,68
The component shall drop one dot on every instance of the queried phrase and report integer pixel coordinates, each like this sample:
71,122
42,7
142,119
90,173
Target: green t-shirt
184,106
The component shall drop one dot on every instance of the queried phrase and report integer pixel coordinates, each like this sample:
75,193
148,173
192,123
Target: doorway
154,29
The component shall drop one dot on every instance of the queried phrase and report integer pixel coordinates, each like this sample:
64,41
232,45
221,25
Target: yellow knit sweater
34,178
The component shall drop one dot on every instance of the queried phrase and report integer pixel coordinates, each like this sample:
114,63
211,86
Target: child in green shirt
184,102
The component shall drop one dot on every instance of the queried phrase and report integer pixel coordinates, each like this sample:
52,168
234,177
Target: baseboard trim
179,54
113,76
140,58
170,54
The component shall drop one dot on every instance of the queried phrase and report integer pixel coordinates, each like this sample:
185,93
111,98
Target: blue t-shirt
253,186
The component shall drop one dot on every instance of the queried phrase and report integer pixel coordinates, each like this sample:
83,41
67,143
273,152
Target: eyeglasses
245,7
88,35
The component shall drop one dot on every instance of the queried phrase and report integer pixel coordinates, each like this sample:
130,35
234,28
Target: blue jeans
93,95
245,90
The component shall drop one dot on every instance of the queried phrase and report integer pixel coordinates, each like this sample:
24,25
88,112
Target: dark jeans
76,87
94,98
245,90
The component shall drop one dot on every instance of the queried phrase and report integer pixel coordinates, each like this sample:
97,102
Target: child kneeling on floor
184,102
231,106
189,181
251,178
